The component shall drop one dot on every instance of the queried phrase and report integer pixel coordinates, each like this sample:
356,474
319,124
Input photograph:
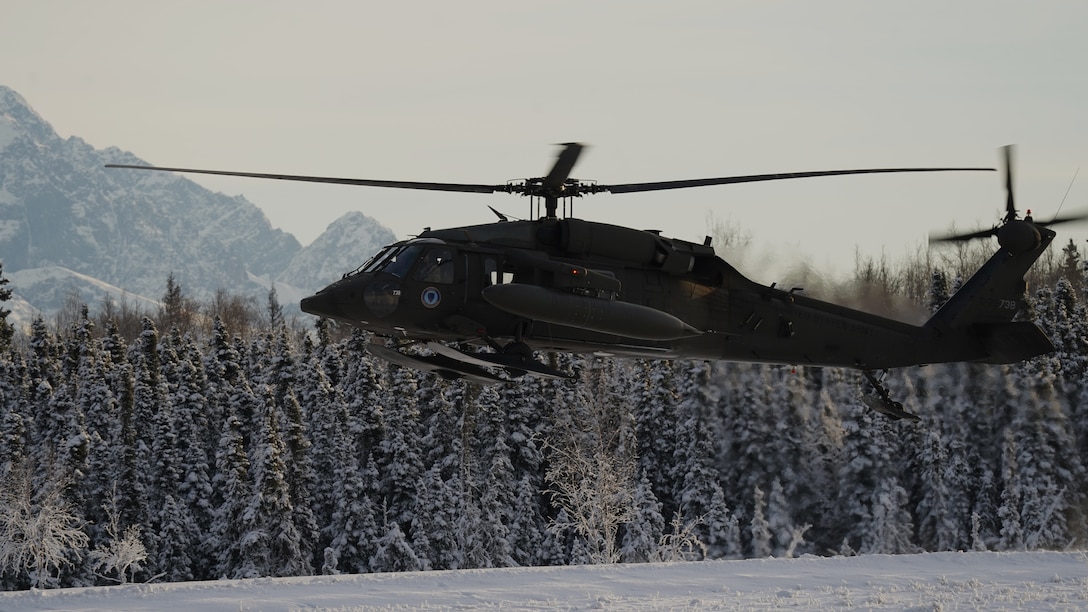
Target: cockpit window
377,260
401,261
436,266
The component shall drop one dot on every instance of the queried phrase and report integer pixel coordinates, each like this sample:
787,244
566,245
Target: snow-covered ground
932,581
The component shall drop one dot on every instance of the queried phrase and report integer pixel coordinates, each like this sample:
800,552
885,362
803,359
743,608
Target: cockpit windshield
375,261
399,258
401,261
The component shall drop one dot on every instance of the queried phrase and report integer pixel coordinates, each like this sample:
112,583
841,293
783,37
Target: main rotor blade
325,179
1067,219
1010,204
936,238
683,184
563,165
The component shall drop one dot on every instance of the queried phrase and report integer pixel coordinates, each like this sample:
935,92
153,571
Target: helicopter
563,284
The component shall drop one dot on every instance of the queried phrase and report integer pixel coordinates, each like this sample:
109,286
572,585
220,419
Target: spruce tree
890,528
233,536
399,459
356,520
277,543
642,534
6,329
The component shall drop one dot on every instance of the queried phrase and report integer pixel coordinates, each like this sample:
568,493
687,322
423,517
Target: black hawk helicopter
570,285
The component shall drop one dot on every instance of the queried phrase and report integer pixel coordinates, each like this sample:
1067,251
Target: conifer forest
180,446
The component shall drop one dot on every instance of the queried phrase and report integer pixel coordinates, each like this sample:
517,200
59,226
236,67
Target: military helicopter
570,285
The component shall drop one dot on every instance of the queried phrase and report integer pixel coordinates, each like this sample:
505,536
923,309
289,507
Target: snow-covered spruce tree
399,462
943,510
63,444
224,367
524,424
273,543
43,354
171,522
1064,322
868,483
437,534
787,536
1052,495
14,421
6,329
749,431
364,397
984,514
441,489
393,553
230,401
149,400
332,454
780,423
229,537
177,309
103,422
126,452
42,376
656,420
282,372
723,530
890,527
491,479
354,526
176,535
702,509
938,292
197,438
642,534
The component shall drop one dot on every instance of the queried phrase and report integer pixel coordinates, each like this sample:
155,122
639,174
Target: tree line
189,450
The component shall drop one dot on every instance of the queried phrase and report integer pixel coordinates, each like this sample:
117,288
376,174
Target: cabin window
494,276
436,266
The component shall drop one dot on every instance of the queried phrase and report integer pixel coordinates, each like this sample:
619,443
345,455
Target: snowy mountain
61,209
345,245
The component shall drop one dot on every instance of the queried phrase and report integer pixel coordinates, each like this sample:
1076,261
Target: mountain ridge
60,208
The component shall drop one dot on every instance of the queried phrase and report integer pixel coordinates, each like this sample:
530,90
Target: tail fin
984,308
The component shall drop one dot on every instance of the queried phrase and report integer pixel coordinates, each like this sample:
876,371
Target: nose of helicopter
322,305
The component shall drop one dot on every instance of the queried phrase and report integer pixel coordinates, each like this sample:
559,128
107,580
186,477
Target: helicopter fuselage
578,286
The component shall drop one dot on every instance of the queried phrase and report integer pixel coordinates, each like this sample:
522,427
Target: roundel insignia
431,297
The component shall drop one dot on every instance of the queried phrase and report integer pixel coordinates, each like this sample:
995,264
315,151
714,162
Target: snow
8,130
929,581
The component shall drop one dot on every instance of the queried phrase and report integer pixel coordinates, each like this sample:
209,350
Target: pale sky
480,91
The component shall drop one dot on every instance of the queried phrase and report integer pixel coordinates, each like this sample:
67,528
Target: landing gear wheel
520,351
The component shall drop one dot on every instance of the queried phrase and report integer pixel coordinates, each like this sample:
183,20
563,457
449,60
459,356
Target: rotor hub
1019,236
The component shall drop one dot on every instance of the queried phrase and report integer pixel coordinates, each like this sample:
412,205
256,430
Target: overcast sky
481,91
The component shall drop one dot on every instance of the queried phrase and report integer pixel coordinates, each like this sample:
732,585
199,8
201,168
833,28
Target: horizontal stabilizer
1012,341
